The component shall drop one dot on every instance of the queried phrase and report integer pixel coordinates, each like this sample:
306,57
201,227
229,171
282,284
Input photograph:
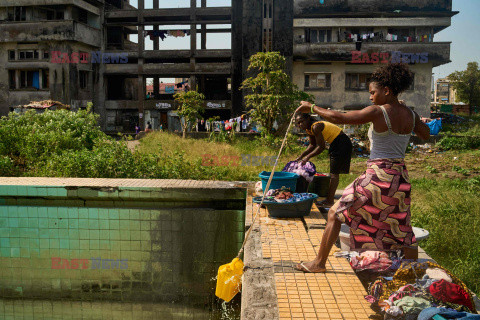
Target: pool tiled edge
337,294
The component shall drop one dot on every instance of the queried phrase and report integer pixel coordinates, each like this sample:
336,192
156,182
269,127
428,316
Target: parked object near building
41,106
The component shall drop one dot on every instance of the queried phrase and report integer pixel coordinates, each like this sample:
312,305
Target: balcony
121,104
164,105
438,52
34,31
170,68
355,8
178,54
218,15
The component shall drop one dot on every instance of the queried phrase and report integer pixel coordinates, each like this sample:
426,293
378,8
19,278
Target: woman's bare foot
310,267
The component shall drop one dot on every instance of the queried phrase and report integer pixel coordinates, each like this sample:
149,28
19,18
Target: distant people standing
137,129
149,127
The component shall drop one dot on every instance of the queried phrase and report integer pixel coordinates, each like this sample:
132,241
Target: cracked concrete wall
340,98
35,31
438,53
312,7
283,30
63,77
377,22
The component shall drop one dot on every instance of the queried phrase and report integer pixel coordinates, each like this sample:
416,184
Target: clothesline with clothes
162,34
361,36
238,124
421,38
378,36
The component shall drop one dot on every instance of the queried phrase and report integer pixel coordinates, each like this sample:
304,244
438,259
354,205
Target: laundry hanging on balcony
178,33
391,37
359,37
162,34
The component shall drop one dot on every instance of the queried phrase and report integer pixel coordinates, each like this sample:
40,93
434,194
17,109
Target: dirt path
132,144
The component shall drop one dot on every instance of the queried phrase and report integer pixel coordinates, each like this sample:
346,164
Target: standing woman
376,205
340,150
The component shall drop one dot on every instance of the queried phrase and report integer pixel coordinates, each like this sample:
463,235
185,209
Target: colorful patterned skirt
376,206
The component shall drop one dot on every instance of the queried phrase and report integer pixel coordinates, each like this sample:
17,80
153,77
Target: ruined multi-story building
331,47
338,44
29,33
444,92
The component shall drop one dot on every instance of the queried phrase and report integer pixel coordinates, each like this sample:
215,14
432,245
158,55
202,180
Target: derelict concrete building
336,43
331,47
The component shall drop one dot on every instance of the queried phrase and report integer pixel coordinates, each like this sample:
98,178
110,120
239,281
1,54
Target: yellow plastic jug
229,279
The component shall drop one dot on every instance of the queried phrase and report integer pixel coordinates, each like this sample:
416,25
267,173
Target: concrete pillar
40,78
141,78
204,29
282,31
156,46
17,79
68,14
237,95
193,42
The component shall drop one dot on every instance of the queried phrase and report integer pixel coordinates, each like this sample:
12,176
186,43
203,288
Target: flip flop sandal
306,270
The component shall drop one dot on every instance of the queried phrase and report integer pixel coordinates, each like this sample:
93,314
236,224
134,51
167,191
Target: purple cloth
307,171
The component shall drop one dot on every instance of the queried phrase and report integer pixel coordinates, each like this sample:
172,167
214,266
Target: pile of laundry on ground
284,195
406,289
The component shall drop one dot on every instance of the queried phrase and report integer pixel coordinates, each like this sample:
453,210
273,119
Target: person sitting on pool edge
340,150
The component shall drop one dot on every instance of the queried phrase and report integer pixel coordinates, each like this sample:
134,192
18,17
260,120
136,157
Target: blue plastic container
288,209
280,179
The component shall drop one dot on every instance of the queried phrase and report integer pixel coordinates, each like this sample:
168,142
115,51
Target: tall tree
467,84
191,107
271,93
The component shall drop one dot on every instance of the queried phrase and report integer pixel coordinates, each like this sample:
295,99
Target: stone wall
337,97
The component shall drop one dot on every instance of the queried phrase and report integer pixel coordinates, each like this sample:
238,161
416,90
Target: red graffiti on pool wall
59,263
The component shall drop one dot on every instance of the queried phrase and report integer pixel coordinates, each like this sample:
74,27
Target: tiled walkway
337,294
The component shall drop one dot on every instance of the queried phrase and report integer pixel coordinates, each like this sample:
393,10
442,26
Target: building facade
106,51
338,44
29,33
444,92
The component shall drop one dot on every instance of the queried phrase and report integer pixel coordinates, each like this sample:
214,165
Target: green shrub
459,143
31,138
461,170
431,169
7,166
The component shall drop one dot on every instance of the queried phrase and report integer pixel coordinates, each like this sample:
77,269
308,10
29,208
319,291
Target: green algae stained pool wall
121,243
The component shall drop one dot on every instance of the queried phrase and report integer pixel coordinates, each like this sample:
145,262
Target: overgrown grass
195,151
450,211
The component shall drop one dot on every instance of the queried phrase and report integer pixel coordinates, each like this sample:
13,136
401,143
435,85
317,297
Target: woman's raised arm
365,115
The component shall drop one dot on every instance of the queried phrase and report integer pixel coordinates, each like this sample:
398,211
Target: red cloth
450,292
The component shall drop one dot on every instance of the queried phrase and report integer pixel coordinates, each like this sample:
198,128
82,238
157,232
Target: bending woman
340,150
376,205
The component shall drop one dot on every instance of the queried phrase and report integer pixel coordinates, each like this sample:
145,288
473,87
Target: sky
462,33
